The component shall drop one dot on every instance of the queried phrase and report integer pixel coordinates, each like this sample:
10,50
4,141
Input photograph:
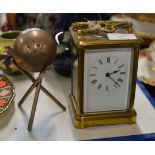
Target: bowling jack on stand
35,50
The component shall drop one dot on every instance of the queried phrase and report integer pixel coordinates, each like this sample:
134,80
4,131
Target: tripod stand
37,83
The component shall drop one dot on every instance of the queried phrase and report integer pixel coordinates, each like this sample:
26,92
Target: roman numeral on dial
122,73
121,66
94,81
94,67
119,80
115,61
92,74
99,86
100,61
107,88
108,59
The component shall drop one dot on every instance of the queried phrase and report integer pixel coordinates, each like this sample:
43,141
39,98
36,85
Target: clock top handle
107,26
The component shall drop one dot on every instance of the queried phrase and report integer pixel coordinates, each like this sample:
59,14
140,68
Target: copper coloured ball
34,49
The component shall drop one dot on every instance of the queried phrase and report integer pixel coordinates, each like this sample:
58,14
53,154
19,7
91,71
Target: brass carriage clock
104,74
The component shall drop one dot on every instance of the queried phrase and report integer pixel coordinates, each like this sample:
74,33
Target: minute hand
114,80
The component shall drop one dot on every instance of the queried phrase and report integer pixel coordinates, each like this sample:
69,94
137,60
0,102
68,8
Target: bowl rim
9,32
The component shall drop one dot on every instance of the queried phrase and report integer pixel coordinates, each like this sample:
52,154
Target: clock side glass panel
74,74
107,74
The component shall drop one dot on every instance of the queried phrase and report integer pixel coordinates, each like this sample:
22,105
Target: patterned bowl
7,95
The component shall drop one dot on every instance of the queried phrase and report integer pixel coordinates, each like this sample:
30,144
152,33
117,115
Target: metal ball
34,49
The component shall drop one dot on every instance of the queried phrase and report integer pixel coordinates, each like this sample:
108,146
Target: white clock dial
107,78
107,73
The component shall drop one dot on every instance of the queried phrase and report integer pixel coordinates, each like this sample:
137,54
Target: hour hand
115,72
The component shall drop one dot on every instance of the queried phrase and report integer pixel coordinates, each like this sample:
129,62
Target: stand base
95,119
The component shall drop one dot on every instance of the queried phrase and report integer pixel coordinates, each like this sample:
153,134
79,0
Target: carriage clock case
104,74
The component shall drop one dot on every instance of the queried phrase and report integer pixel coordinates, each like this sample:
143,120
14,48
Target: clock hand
115,72
114,80
108,75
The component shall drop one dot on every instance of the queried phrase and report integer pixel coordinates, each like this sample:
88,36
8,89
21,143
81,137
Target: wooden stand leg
34,106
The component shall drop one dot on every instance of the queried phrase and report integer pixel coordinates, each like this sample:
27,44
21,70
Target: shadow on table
42,128
45,128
